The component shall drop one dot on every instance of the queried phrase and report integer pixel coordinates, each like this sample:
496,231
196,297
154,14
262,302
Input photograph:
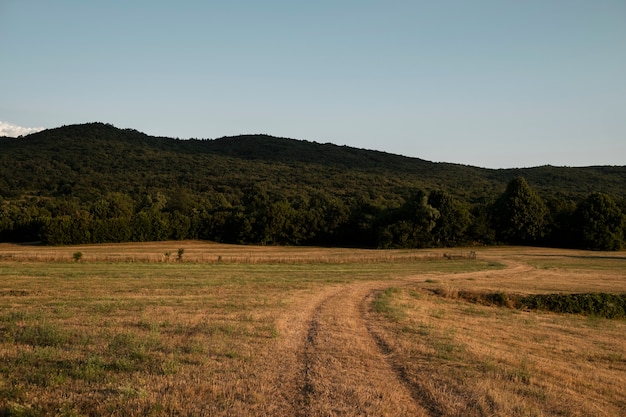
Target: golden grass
209,252
473,360
288,331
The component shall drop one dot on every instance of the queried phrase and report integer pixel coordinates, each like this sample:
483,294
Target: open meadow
203,329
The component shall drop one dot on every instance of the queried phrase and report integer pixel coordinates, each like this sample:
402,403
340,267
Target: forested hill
229,186
91,159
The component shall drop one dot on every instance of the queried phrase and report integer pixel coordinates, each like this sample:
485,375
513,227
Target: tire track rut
343,370
420,395
334,361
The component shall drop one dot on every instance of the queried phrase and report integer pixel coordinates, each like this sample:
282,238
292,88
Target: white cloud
13,131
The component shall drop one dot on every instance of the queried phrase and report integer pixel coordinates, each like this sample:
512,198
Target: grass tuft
383,304
41,335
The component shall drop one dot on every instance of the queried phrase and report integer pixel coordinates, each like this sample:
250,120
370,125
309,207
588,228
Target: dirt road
332,361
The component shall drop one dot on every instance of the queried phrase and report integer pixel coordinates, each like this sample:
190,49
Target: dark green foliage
498,298
96,183
561,228
453,221
521,216
599,223
410,225
41,335
481,230
610,306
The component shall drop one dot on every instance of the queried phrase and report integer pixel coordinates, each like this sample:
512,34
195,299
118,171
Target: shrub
610,306
595,304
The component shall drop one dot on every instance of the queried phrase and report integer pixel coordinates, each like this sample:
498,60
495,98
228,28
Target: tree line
260,215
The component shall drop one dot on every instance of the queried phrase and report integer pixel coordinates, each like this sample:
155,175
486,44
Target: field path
330,364
331,360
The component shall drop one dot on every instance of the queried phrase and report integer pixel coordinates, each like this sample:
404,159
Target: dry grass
474,360
208,252
285,331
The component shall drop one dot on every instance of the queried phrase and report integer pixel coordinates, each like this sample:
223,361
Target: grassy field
228,330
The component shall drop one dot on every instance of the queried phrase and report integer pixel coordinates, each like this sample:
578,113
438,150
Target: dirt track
317,348
332,361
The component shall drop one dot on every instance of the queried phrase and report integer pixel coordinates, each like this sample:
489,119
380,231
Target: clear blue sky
491,83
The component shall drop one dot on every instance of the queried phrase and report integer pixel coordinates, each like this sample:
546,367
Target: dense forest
96,183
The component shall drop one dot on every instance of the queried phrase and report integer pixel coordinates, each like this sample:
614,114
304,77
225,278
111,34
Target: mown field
136,329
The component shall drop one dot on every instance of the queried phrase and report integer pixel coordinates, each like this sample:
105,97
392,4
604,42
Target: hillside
90,159
97,183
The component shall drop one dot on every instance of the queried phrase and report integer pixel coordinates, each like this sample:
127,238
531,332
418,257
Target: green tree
364,215
180,225
411,225
562,227
453,221
282,226
323,217
67,230
520,215
180,200
600,223
481,229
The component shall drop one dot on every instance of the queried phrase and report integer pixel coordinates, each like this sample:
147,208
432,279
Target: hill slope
91,159
96,183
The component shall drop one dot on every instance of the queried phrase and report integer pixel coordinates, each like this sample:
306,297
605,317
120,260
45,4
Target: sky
489,83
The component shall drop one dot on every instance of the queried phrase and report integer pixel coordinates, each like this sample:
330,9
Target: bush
610,306
605,305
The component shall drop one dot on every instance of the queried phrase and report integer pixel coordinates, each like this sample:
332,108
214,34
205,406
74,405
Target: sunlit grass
472,359
141,336
138,338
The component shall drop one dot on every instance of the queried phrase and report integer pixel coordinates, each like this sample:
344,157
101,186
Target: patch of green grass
446,349
521,373
193,346
13,409
93,369
170,367
13,316
130,353
416,295
383,304
128,392
41,335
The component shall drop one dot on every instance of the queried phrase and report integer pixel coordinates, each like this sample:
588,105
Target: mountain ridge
98,148
222,143
94,183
